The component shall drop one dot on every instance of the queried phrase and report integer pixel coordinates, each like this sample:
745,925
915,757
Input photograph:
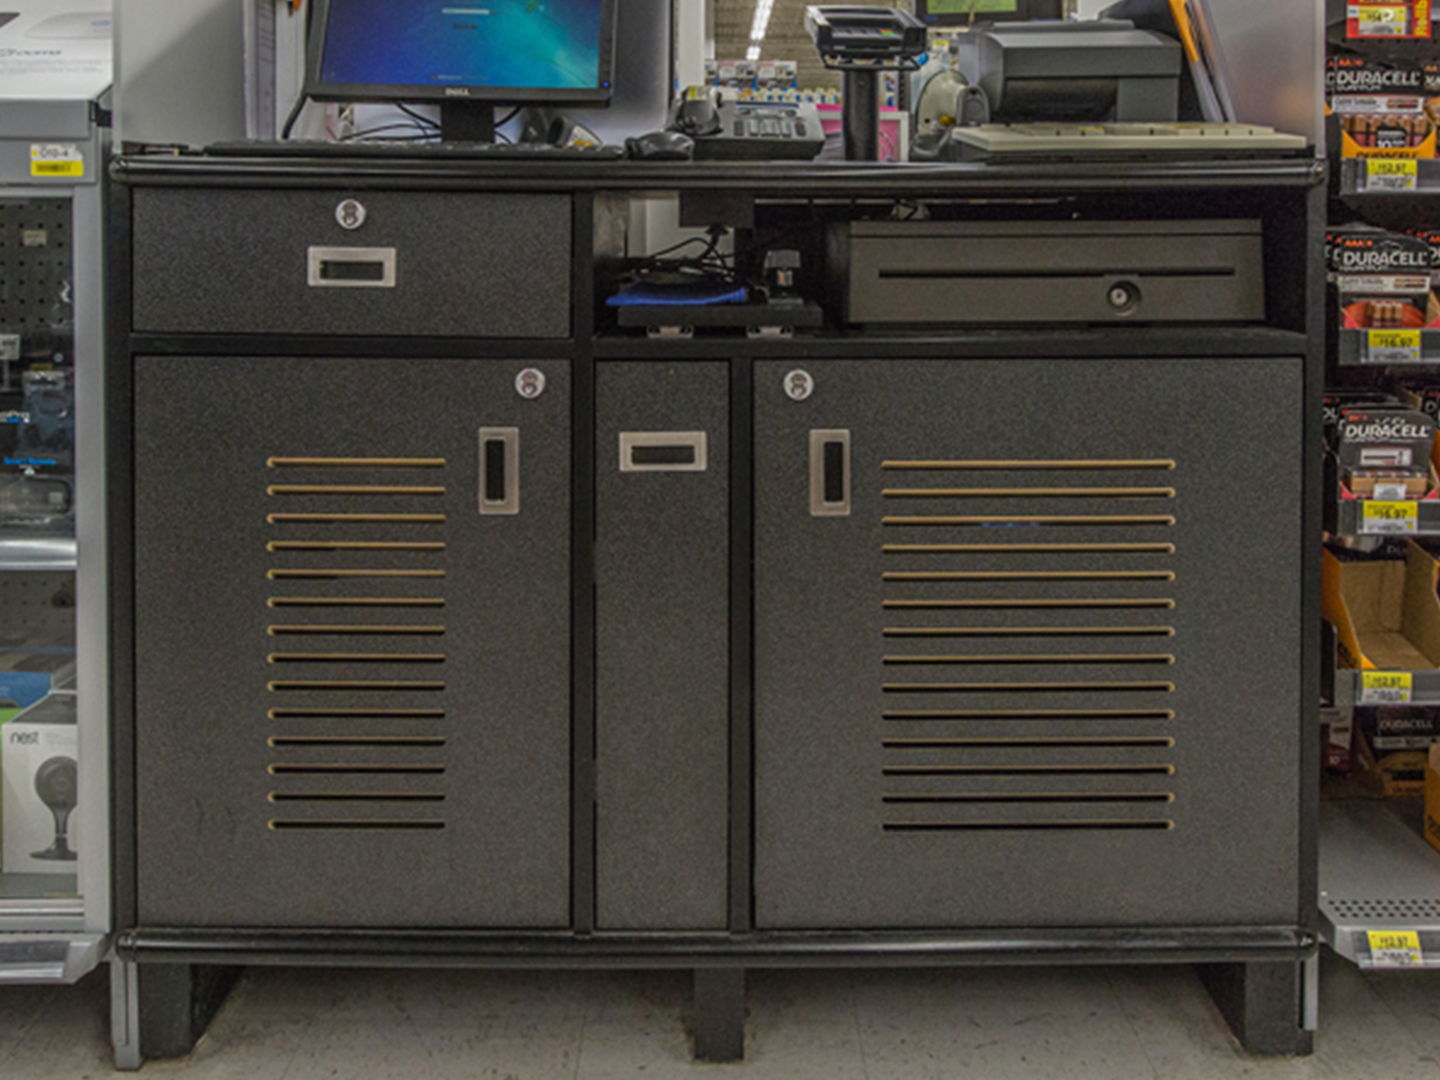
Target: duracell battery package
1338,400
1382,278
1387,107
1384,452
1419,392
1393,21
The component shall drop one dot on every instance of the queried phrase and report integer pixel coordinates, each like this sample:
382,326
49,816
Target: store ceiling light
759,24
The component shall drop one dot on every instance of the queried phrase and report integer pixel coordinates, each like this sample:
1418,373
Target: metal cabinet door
662,658
352,643
1027,644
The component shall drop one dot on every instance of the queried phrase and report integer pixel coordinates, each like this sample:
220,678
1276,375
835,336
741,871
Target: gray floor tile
997,1024
1132,1023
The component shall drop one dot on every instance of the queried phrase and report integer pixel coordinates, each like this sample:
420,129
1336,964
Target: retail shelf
1369,348
1379,884
1366,517
22,552
48,958
1356,687
1389,176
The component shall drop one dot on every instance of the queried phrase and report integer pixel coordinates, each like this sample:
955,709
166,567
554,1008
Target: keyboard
416,150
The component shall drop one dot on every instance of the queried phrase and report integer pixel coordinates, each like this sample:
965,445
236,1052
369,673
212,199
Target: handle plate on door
499,470
830,473
351,268
662,451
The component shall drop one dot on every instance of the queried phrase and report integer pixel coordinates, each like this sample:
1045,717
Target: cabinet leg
174,1003
1264,1004
125,1015
719,1014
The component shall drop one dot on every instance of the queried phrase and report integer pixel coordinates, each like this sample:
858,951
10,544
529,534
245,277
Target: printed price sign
1391,175
1393,347
1379,517
1395,948
57,160
1386,687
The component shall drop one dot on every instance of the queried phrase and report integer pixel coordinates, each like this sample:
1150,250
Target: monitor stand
467,121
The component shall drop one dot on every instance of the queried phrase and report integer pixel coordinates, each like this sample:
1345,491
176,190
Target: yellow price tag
1390,517
1395,948
1393,347
57,168
56,159
1392,174
1386,687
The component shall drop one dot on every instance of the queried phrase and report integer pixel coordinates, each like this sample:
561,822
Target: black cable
404,126
294,114
417,117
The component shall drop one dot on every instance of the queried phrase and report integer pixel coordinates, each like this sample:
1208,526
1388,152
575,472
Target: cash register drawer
966,272
346,262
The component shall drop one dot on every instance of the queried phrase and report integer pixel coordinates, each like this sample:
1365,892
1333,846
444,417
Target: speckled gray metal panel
352,689
221,261
662,654
1040,676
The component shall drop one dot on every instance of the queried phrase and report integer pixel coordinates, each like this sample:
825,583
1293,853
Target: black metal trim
380,348
1182,344
359,948
769,179
1314,494
742,659
582,575
119,510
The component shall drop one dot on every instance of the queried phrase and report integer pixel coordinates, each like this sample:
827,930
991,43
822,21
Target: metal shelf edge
38,553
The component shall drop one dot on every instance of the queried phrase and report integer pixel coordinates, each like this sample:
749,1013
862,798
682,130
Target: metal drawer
337,262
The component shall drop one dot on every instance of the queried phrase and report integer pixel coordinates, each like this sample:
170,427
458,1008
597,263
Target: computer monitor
469,56
959,12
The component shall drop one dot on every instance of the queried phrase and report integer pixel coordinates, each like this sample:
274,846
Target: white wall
1273,49
179,71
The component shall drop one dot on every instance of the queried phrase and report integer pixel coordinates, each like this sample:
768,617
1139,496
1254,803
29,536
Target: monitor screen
483,50
959,12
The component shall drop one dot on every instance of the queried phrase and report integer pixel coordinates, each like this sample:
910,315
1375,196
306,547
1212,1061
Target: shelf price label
1386,687
1389,517
1393,347
1395,948
57,160
1388,174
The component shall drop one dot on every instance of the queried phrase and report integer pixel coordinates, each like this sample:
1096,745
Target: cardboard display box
1432,796
1385,612
38,788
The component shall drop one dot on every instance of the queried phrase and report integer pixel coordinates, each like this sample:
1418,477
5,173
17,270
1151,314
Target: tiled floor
996,1024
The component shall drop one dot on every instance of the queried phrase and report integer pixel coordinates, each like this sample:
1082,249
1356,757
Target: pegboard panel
36,264
37,609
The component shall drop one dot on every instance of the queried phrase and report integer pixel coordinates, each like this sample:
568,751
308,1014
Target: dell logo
457,91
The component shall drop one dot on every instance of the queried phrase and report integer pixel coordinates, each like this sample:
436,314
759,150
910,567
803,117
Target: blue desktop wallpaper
535,44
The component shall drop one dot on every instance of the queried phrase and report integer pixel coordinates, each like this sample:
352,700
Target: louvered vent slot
1029,658
356,644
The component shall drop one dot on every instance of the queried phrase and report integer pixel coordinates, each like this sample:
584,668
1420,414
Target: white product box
38,788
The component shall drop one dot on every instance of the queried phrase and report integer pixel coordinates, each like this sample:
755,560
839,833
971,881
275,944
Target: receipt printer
1072,72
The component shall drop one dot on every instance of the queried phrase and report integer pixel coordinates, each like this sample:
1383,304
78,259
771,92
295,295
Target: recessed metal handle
830,473
500,470
662,451
351,268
